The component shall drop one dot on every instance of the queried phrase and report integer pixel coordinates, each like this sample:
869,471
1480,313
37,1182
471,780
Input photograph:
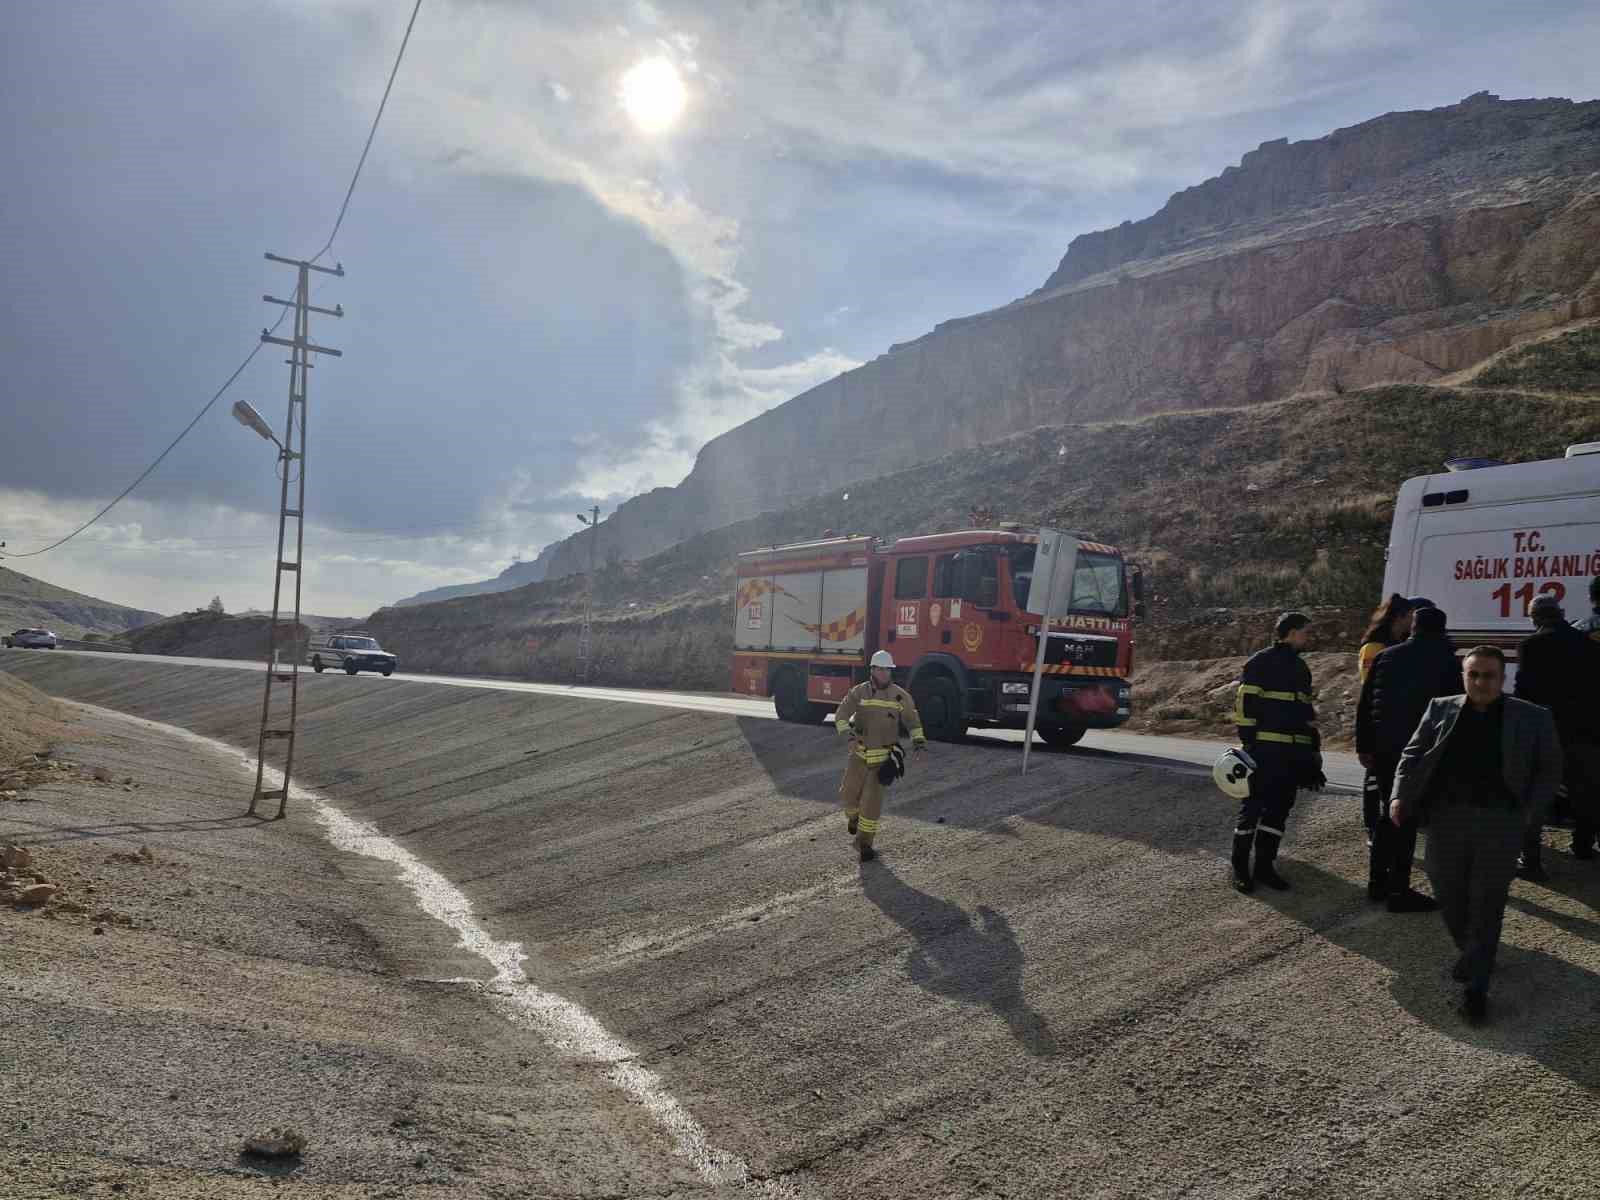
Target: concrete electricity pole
585,644
280,726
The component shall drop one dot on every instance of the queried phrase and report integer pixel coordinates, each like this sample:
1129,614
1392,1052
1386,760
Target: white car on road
31,639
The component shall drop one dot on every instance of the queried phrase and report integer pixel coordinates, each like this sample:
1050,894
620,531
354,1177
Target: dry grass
1569,363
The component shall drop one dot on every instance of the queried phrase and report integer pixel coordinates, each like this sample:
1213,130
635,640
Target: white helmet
1232,772
883,659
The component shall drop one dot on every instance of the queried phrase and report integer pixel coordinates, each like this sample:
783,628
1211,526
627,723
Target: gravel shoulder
1044,987
200,977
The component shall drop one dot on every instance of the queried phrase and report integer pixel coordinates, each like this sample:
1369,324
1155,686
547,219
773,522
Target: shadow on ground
1541,1006
971,958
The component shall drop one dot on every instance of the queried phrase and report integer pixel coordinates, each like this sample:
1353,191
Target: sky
589,237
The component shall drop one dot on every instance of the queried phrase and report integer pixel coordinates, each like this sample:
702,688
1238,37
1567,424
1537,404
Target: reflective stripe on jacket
873,716
1274,700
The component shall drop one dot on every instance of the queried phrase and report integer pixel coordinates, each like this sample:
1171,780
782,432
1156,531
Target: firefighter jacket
873,716
1273,704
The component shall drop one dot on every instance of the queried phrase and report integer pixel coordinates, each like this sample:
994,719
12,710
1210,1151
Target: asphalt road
1044,987
1343,771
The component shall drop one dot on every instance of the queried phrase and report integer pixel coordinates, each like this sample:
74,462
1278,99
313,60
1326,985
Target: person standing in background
1559,668
1397,691
1390,625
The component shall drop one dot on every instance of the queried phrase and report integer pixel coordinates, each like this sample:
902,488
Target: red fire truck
953,610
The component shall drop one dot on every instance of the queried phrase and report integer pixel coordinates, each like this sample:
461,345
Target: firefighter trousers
1264,811
861,793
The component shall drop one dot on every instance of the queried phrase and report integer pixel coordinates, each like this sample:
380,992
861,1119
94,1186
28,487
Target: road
1044,986
1186,754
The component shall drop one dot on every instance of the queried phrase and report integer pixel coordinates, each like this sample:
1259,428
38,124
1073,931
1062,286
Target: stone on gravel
276,1143
15,858
36,893
102,775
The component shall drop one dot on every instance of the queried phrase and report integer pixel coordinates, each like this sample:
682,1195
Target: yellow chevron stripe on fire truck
1069,669
846,628
752,590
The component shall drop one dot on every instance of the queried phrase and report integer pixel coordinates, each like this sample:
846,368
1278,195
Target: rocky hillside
1232,512
26,602
1403,249
518,574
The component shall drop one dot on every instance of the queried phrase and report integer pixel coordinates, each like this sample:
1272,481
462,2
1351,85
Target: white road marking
564,1026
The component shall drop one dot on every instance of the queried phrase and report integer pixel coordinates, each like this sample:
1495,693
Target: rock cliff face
518,574
1403,249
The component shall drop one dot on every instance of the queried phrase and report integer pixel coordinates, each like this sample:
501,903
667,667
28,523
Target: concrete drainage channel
562,1025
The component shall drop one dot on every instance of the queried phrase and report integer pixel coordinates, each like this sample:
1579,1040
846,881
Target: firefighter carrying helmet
1232,772
883,659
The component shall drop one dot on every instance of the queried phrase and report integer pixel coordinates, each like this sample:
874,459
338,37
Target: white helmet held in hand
883,659
1232,772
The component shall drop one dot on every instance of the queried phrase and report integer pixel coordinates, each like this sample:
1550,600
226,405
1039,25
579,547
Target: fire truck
954,610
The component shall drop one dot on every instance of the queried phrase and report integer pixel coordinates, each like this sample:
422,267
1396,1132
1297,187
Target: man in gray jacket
1480,770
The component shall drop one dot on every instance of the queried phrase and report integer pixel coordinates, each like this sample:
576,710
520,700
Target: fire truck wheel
939,703
1059,737
789,698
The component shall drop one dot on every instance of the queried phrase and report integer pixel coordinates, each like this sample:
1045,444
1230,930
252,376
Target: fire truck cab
953,609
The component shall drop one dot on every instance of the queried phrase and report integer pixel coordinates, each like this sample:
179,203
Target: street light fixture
251,419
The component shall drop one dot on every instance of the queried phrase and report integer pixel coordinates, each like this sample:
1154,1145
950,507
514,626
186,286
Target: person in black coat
1559,669
1396,693
1277,722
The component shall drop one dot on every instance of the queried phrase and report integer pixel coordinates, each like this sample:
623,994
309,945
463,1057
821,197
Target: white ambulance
1481,541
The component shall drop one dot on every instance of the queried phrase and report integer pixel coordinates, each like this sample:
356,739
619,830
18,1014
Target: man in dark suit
1394,696
1559,669
1480,770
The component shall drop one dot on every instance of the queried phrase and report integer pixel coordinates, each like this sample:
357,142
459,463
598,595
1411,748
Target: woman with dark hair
1390,625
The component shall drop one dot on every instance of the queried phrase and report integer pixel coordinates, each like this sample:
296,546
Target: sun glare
653,95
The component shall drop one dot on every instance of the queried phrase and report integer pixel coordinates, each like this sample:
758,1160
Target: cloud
546,309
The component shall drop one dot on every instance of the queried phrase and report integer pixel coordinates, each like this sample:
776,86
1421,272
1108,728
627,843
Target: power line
371,133
239,370
256,349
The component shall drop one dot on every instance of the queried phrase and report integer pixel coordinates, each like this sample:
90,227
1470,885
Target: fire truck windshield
1096,583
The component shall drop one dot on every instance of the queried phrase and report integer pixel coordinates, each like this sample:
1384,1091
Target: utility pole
276,726
585,644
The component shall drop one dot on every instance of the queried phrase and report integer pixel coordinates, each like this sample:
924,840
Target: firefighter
870,719
1277,728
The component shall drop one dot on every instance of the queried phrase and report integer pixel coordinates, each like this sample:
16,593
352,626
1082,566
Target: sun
653,95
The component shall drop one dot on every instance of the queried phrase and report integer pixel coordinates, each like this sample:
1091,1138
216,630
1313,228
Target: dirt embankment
1196,698
216,635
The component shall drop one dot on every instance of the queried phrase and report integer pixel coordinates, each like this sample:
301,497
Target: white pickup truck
352,653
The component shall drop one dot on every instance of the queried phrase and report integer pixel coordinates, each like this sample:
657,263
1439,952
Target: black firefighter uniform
871,716
1277,727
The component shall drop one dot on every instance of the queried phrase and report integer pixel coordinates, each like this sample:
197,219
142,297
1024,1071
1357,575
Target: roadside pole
280,728
585,638
1055,550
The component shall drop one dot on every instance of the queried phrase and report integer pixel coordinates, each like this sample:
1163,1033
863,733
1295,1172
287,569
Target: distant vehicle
31,639
1482,541
353,653
953,609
